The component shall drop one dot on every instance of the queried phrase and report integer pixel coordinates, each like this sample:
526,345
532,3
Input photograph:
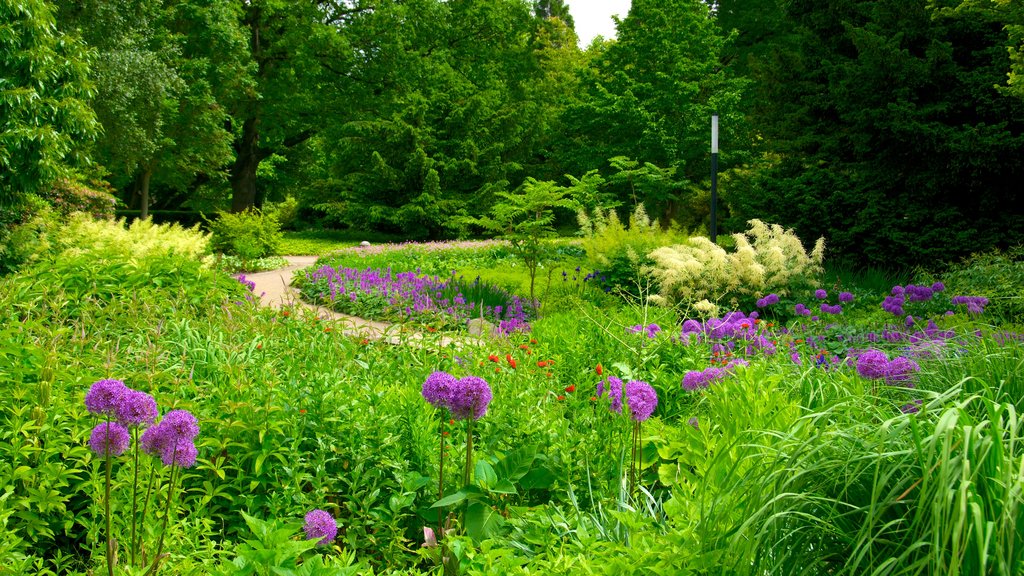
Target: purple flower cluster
767,300
109,439
801,310
173,439
103,397
651,329
614,390
731,325
113,399
912,407
411,295
464,398
875,365
916,293
845,297
831,309
250,284
975,304
696,379
320,526
642,399
894,304
820,294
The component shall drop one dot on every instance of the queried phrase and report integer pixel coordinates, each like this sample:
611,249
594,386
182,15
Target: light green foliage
525,219
767,258
286,212
997,275
249,235
619,252
137,241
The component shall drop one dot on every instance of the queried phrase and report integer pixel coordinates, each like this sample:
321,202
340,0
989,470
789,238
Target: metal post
714,178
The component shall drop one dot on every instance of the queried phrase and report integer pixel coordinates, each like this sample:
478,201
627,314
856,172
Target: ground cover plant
615,437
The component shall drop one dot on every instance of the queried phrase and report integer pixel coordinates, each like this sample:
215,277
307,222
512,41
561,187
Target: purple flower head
693,422
938,287
795,357
109,439
615,394
691,326
801,310
178,426
652,330
768,300
872,364
182,454
909,321
893,305
135,408
103,396
470,398
912,407
820,294
153,440
320,526
642,399
845,297
831,309
438,389
900,370
897,291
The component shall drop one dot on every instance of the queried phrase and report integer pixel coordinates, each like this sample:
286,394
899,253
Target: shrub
286,212
767,259
999,276
249,235
619,252
69,196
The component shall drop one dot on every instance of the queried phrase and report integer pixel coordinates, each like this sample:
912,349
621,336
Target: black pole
714,178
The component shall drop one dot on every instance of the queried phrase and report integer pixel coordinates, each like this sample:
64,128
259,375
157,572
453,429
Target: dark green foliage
891,136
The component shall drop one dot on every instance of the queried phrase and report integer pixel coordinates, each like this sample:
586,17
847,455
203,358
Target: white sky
593,17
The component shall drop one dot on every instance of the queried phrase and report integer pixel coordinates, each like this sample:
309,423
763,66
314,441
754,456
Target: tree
44,91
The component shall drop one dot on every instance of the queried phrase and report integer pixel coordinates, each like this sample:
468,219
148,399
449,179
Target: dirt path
276,291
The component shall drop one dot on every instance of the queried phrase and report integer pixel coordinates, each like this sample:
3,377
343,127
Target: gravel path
276,291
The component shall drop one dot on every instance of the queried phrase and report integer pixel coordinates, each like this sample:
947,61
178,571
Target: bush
249,235
620,253
998,276
767,259
286,212
69,196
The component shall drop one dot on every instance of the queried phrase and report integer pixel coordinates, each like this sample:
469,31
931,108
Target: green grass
321,242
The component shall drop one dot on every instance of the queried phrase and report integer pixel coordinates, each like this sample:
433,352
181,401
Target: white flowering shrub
767,259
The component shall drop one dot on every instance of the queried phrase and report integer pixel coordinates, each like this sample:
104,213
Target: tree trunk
144,193
243,172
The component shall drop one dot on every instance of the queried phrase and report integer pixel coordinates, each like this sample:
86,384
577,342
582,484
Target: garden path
276,291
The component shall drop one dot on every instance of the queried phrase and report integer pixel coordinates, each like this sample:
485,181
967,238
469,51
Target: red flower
542,364
511,360
494,358
560,398
549,374
593,398
302,411
497,369
259,346
570,388
524,347
285,313
533,340
600,370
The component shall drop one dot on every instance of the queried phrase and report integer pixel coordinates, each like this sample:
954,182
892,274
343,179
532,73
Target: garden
662,405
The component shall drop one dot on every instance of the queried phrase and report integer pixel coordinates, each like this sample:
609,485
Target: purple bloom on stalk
103,396
642,399
134,408
845,297
182,454
438,389
320,526
909,321
470,398
897,290
820,294
153,440
109,439
912,407
937,287
615,394
179,425
795,357
873,364
900,369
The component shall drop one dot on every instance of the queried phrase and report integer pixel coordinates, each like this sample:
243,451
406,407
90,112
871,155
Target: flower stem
106,505
469,452
145,508
135,490
440,482
163,530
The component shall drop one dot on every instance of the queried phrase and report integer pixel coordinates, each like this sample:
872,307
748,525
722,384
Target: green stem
163,530
145,508
135,489
440,483
469,452
106,506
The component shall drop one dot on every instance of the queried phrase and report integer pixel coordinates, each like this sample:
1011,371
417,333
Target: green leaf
485,475
482,521
516,464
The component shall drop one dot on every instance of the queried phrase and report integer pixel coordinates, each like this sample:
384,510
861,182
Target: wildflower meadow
157,419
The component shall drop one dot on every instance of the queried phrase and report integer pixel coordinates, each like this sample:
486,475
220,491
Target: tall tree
44,91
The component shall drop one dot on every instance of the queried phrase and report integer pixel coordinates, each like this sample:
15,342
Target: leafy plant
249,235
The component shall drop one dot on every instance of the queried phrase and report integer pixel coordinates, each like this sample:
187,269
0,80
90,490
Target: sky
593,17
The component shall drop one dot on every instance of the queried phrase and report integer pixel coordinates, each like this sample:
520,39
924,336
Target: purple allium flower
872,364
845,297
134,408
893,305
179,425
801,310
642,399
831,309
470,398
938,287
153,440
909,321
820,294
103,396
912,407
652,330
691,326
615,394
320,526
693,422
901,369
795,357
897,291
182,454
692,380
109,439
438,389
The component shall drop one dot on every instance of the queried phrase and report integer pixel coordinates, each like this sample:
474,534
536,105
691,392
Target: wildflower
561,397
570,388
820,294
109,439
542,364
600,370
179,426
614,390
470,398
937,287
900,369
494,358
153,440
320,526
511,361
845,297
642,400
912,407
872,364
134,408
182,454
104,395
438,389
